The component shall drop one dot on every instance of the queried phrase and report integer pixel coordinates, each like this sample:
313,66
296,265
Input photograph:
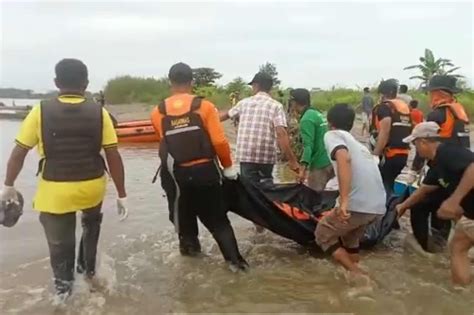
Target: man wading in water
451,176
70,132
362,195
191,140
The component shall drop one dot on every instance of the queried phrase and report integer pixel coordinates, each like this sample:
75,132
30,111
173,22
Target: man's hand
122,209
342,214
294,166
450,209
401,209
303,174
9,194
341,211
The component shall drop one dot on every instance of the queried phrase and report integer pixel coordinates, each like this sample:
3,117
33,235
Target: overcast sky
313,44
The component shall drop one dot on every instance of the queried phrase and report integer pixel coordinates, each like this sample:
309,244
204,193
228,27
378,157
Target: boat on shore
137,131
14,112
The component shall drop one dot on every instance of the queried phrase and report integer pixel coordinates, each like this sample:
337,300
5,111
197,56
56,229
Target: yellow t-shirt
64,197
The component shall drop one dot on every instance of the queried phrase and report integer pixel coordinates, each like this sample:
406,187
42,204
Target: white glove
9,194
122,209
230,173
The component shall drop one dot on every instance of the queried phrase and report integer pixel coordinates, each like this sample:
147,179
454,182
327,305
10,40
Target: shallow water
143,273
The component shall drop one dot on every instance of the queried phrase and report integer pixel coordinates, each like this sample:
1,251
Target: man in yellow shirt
70,132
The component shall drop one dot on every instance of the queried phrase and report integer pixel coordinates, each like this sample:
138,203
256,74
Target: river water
143,273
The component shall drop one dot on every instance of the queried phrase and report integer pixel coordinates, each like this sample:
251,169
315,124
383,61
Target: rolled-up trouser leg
91,221
60,230
212,214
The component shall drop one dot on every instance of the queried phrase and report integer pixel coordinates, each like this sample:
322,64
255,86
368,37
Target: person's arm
112,155
26,139
344,178
383,136
231,113
224,115
15,164
284,144
465,185
419,195
283,140
156,122
116,170
216,133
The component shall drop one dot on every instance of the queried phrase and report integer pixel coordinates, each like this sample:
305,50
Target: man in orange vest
447,112
391,123
192,141
454,129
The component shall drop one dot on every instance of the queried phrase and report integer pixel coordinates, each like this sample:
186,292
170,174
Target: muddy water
143,273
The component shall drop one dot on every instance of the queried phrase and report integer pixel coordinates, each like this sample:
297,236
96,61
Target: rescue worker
391,123
70,132
447,112
191,140
451,175
454,129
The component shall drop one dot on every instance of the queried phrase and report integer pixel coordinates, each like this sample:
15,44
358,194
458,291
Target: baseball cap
262,78
428,129
180,73
301,96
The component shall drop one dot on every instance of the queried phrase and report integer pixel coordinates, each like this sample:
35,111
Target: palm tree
430,66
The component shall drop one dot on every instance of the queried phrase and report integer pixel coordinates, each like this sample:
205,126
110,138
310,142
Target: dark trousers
390,169
256,172
424,220
200,196
60,230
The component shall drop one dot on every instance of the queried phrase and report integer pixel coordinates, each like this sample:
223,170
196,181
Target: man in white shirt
361,191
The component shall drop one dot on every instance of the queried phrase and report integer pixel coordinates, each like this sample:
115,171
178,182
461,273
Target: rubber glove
9,194
122,209
230,173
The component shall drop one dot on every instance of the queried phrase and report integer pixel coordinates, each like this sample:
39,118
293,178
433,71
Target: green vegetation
430,66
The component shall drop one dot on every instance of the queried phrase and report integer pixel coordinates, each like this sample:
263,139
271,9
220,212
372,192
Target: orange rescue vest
401,127
455,128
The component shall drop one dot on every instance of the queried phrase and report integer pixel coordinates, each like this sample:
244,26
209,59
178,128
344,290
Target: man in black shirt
452,174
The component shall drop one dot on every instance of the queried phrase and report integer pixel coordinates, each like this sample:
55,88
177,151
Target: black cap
443,82
300,96
180,73
389,86
263,79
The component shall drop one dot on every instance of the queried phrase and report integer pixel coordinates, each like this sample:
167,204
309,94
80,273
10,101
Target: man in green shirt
315,164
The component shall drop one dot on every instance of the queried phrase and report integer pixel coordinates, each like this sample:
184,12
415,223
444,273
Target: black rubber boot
189,246
227,243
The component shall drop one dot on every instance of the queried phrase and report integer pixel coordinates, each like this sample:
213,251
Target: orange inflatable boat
138,131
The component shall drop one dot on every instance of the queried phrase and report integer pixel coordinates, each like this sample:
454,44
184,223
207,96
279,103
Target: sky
313,44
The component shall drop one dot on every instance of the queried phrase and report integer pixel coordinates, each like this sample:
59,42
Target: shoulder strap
196,103
162,108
